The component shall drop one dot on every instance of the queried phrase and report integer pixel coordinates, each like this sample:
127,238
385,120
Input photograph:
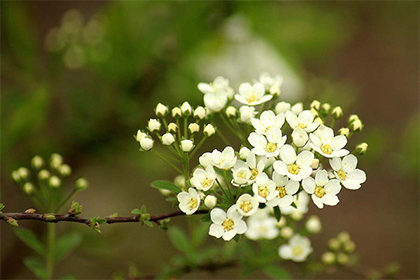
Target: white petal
309,185
291,119
330,200
280,167
341,141
349,163
335,163
229,235
339,153
285,201
216,230
321,177
287,154
285,252
315,139
317,201
240,226
292,187
305,158
218,216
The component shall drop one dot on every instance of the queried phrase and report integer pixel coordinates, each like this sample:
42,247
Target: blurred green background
80,78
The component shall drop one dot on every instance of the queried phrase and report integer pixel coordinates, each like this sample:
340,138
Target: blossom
241,173
267,121
146,143
323,190
193,128
285,189
286,232
231,112
282,107
214,102
161,110
187,145
301,200
206,159
247,204
345,171
295,167
154,125
252,95
224,160
226,225
186,108
209,130
262,226
203,179
271,84
297,108
247,113
300,137
264,188
168,139
324,142
267,145
216,94
199,113
297,249
305,120
189,201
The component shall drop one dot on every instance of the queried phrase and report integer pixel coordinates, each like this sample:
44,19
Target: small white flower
186,108
282,107
262,226
209,130
271,84
154,125
241,174
244,152
295,167
210,201
285,189
215,103
161,110
297,108
206,159
220,86
224,160
286,232
187,145
226,225
247,113
168,139
323,190
268,145
200,113
203,179
313,224
146,143
264,189
345,171
252,95
305,120
247,205
297,249
193,128
324,142
267,121
300,137
189,201
231,112
301,200
256,164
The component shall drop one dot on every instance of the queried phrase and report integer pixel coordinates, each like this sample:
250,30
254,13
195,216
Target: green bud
56,160
15,176
334,244
342,258
343,237
55,182
316,105
328,258
37,162
28,188
349,246
81,184
44,174
1,207
325,109
12,222
337,112
49,217
361,148
64,170
75,209
23,173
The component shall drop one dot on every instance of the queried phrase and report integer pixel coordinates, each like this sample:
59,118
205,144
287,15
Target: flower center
242,174
246,206
282,192
341,174
251,98
302,125
326,149
293,168
263,191
297,251
271,147
319,191
254,173
207,183
192,203
228,224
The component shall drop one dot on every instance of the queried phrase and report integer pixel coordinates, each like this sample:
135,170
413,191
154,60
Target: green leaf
31,240
206,217
179,239
66,244
166,185
136,211
237,238
1,207
276,272
36,267
277,213
294,205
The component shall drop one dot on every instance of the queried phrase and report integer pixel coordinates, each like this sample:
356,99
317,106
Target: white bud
23,173
282,222
334,244
210,201
146,143
140,135
55,182
344,131
282,107
164,192
300,137
325,108
244,152
168,139
362,148
316,105
297,215
315,163
161,110
28,188
319,120
193,128
186,108
64,170
349,246
56,160
314,112
313,224
231,112
180,181
187,145
205,159
200,113
176,112
328,258
209,130
342,258
44,174
357,126
247,113
352,118
343,237
37,162
154,125
337,112
172,127
81,184
15,176
286,232
297,108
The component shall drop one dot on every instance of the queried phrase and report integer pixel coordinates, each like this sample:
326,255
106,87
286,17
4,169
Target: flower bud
313,225
154,125
315,163
28,188
316,105
168,139
161,110
200,113
81,184
344,131
15,176
37,162
146,144
343,237
44,174
282,107
297,108
209,130
342,258
244,152
164,192
356,126
231,112
12,222
328,257
334,244
180,181
337,112
23,173
193,128
286,232
30,211
361,148
187,145
319,120
210,201
296,215
176,112
325,109
64,170
56,160
140,135
186,108
300,137
352,118
314,112
349,246
172,127
54,182
282,222
247,113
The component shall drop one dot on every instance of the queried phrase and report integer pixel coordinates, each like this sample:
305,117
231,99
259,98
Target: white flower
199,113
168,139
154,125
244,152
189,201
323,190
247,205
345,171
215,103
252,95
161,110
300,137
262,226
231,112
206,159
186,108
216,94
268,145
267,121
271,84
247,113
297,249
313,224
241,173
285,189
187,145
301,200
193,128
210,201
297,108
264,188
324,142
146,143
224,160
295,167
203,179
282,107
226,225
305,120
256,164
209,130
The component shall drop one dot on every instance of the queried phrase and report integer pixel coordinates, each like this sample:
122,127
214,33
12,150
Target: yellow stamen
246,206
293,169
228,224
263,191
319,191
251,98
207,183
271,147
254,173
282,192
341,174
297,251
326,149
192,203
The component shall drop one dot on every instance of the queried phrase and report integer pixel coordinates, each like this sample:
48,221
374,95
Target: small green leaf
148,223
294,205
179,239
277,213
166,185
36,267
171,199
136,211
237,238
206,217
31,240
276,272
143,209
66,244
75,208
1,207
